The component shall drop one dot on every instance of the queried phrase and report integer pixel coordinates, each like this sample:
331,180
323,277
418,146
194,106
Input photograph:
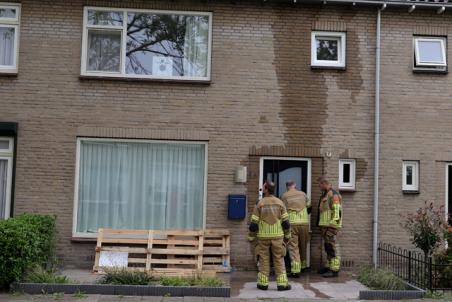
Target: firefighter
330,222
298,207
270,226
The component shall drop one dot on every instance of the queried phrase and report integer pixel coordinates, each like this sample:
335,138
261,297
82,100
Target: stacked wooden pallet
171,252
216,250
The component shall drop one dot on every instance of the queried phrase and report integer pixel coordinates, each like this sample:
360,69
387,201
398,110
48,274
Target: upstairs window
410,176
347,171
146,44
328,49
9,37
430,54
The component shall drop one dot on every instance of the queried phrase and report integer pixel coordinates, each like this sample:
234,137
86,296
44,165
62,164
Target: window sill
8,73
83,239
128,79
410,191
346,190
430,71
320,67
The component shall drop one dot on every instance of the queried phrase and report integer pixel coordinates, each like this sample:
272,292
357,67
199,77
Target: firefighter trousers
297,246
278,251
331,246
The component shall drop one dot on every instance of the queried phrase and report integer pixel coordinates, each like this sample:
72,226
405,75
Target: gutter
440,5
377,139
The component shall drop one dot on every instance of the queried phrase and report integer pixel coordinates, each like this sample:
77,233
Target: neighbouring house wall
416,118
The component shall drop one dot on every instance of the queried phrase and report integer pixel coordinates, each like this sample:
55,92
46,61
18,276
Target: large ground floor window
136,184
6,172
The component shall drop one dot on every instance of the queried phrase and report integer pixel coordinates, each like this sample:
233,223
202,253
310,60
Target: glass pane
4,145
104,50
327,49
409,175
7,35
3,186
430,52
7,13
140,186
105,18
289,174
346,173
167,45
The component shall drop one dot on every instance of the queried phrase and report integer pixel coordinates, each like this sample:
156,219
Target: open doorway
281,169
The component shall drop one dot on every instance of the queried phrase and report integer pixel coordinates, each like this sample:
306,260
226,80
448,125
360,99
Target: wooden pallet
217,250
171,252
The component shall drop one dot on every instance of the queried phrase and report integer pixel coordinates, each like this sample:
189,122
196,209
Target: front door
279,170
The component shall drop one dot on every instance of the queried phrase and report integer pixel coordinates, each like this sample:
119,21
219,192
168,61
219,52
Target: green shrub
25,241
380,279
193,281
122,276
174,281
40,275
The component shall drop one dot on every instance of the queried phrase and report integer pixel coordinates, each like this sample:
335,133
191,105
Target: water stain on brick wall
303,92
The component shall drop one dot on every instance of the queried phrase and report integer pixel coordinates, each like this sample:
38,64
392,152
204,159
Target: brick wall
416,118
264,99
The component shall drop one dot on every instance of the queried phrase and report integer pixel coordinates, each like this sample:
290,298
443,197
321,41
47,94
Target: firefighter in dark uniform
270,226
330,222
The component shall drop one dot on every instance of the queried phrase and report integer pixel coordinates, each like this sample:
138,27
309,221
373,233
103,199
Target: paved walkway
98,298
309,288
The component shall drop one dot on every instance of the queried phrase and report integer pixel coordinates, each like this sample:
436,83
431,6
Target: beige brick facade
263,100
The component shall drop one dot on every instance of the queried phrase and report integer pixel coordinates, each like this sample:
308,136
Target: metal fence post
409,266
430,274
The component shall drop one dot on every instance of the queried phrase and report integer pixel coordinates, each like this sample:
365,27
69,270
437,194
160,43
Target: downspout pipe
377,140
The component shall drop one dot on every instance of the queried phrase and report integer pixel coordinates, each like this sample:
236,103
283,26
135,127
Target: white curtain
140,186
7,46
196,46
3,187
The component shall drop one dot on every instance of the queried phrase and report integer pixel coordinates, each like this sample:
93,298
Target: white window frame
430,64
351,185
14,23
8,155
123,28
341,37
76,234
415,166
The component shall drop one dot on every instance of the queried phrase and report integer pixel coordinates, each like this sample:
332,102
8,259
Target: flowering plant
427,227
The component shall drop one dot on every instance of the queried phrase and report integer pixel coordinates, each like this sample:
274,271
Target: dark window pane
346,173
105,18
104,49
327,49
167,45
409,175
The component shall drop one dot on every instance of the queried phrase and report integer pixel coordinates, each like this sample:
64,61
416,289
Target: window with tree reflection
161,45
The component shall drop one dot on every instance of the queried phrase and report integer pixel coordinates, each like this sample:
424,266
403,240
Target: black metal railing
415,268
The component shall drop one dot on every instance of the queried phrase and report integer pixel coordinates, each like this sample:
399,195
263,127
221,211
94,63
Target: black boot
294,275
323,270
283,288
330,274
262,287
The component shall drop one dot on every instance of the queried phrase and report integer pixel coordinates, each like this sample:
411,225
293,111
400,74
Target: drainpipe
377,139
